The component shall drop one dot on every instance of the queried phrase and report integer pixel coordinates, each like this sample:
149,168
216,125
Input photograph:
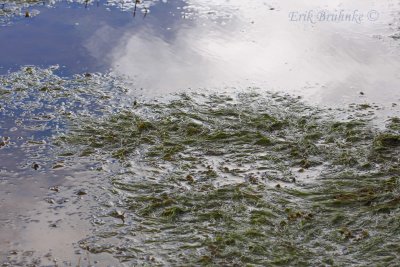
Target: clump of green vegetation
386,140
394,124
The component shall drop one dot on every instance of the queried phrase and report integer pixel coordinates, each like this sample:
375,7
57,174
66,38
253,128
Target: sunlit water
161,48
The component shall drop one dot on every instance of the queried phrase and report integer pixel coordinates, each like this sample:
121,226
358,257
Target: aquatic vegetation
249,178
387,140
394,124
213,166
15,8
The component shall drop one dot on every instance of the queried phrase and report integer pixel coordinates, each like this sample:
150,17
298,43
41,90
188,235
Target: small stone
81,192
48,255
35,166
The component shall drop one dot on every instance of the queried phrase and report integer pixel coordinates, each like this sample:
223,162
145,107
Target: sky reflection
194,44
258,46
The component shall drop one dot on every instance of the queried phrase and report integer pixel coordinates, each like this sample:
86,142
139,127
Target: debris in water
35,166
82,192
54,188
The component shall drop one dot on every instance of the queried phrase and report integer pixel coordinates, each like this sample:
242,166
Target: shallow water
189,45
101,165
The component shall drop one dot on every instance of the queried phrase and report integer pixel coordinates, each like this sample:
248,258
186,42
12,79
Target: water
105,162
185,45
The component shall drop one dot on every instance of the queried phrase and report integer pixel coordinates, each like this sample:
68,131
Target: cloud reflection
257,46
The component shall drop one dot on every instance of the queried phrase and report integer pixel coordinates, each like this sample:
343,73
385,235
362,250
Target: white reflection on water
253,43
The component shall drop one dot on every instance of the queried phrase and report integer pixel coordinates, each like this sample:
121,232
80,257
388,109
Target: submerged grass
226,177
246,179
